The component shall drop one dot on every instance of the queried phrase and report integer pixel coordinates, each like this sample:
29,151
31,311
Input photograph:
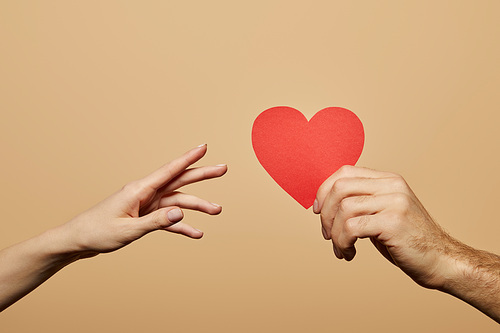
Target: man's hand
360,203
363,203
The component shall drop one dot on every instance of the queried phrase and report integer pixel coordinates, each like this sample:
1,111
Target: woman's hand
145,205
151,203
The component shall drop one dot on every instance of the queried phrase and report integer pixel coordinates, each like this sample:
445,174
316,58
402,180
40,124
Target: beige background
96,93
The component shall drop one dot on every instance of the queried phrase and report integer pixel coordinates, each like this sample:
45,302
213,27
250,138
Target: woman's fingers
189,201
195,175
169,171
186,230
158,220
165,219
155,196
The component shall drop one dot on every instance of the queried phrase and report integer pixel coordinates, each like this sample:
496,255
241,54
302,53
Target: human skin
142,206
358,203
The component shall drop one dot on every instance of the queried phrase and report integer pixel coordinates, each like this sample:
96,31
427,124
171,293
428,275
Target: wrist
453,273
475,279
58,246
454,265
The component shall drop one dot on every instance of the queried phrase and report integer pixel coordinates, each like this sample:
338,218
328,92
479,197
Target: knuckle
398,182
346,204
159,220
135,189
345,170
155,221
131,187
201,206
351,226
363,221
340,185
392,174
361,199
173,198
394,221
402,202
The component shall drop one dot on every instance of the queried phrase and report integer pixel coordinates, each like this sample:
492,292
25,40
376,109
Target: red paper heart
300,155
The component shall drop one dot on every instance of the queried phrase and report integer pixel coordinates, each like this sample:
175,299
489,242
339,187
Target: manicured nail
175,215
202,145
315,205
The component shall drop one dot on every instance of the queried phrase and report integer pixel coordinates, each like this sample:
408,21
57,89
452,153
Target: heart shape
299,154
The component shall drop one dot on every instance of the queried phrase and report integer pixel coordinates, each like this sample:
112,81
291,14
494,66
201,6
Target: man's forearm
475,279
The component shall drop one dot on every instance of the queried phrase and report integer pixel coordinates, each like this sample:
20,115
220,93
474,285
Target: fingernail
216,205
325,236
202,145
336,252
175,215
221,165
315,205
198,230
349,255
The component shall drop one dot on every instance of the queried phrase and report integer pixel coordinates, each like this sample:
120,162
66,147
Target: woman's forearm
26,265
